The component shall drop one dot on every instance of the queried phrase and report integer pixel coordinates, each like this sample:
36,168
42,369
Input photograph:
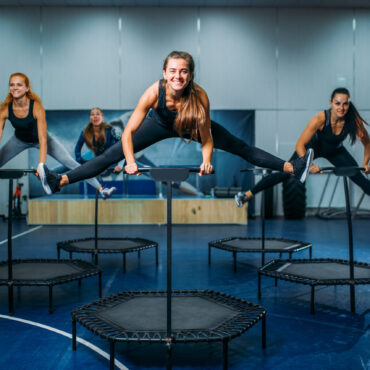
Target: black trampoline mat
270,244
39,270
149,314
324,270
116,244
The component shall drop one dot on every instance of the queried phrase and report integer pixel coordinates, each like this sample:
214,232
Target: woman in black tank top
178,107
325,133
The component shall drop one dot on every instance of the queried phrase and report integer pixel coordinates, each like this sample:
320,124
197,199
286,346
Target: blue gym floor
333,338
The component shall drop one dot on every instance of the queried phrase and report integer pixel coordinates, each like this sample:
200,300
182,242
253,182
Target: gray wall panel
362,52
80,59
237,54
148,36
315,56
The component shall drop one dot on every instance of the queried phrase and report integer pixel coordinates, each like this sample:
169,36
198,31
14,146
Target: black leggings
341,158
152,131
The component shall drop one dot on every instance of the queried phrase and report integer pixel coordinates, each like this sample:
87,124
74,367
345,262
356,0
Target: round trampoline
169,316
326,271
107,245
96,245
48,272
38,272
258,245
254,245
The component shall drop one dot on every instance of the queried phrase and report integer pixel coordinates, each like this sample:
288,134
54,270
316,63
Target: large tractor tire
294,198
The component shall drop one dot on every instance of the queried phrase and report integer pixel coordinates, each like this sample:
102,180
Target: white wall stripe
65,334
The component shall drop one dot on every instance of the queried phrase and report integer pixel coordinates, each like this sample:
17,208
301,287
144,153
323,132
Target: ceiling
195,3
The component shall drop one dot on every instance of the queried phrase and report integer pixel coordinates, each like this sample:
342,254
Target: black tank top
162,113
25,128
326,141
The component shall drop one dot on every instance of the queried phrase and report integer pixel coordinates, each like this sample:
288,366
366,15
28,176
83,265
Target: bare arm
315,124
39,114
365,140
206,137
3,117
147,101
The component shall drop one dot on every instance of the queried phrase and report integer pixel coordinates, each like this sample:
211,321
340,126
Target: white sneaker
42,175
107,192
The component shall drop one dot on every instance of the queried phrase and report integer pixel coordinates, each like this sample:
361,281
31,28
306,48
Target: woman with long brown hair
325,134
177,107
24,110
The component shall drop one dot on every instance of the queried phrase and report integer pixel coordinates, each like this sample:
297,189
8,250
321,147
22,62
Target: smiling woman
24,110
176,106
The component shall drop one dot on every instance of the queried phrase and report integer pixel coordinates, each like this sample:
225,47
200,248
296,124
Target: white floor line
119,364
21,234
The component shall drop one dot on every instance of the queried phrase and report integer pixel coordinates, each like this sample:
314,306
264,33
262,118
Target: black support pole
350,244
169,260
96,227
10,252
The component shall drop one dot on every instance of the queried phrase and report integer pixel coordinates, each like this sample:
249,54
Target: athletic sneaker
49,179
107,192
301,166
240,199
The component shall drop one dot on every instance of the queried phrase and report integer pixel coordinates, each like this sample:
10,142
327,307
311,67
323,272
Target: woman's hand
315,168
367,168
205,168
132,169
117,169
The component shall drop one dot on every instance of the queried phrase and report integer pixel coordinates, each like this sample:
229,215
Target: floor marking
119,364
21,234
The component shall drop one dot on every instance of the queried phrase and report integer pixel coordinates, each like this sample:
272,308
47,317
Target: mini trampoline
169,316
38,272
48,272
258,245
96,245
107,245
325,271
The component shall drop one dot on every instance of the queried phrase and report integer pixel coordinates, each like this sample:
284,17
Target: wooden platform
74,211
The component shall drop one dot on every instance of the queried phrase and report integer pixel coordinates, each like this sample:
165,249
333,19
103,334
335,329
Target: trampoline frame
167,175
218,243
66,245
12,174
89,270
270,269
69,247
343,172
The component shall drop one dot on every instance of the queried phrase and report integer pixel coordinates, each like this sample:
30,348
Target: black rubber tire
294,198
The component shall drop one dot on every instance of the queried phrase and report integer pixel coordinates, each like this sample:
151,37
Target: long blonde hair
89,133
191,113
30,94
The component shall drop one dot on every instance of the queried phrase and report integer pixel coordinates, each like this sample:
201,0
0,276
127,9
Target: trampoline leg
225,343
290,255
11,298
280,254
310,252
100,285
276,281
259,286
209,254
234,258
50,299
312,299
58,253
264,331
124,262
156,256
169,356
352,297
74,336
138,254
70,255
111,348
79,282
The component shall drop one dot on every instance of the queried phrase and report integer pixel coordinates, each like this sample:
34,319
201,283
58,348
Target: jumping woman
177,107
325,133
24,110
